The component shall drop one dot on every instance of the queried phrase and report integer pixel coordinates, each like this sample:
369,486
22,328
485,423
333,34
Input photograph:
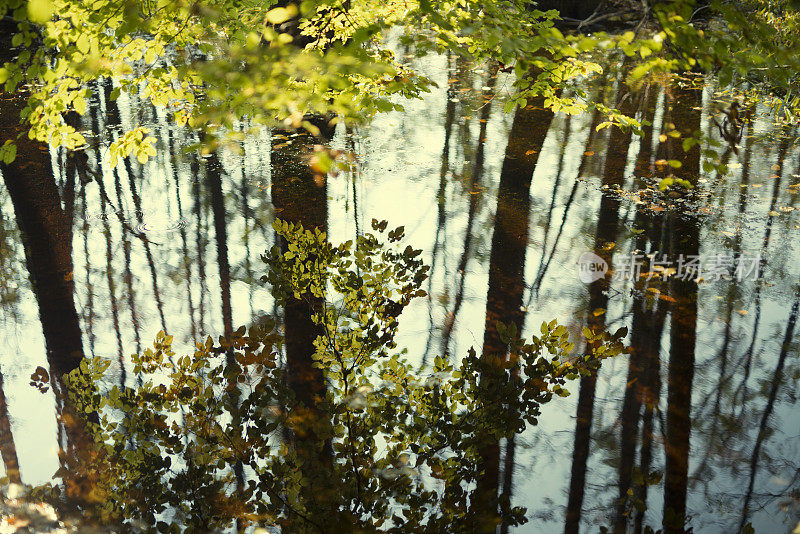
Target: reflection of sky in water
400,161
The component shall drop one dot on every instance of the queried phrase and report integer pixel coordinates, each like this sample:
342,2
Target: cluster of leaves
213,63
206,63
403,445
751,42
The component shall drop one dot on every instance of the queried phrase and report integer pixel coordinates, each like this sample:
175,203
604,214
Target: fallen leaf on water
598,312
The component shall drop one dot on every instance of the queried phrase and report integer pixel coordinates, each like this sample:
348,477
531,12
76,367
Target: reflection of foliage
403,446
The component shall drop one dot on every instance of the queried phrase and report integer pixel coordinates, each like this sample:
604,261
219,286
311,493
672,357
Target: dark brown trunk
214,183
300,196
685,105
45,228
506,276
605,234
46,234
641,333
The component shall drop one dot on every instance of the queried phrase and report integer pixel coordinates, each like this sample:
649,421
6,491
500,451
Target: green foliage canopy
211,63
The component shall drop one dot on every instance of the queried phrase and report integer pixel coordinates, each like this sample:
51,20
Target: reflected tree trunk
200,240
556,182
247,215
112,293
115,121
214,172
762,264
45,228
605,238
506,274
588,149
685,103
647,328
8,449
88,285
474,201
641,334
214,182
733,294
300,196
651,395
186,260
444,171
775,384
109,270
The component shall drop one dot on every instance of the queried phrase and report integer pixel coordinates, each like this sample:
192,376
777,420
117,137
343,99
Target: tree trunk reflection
685,108
506,264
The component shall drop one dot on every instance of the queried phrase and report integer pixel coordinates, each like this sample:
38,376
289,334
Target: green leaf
79,103
83,43
40,11
281,14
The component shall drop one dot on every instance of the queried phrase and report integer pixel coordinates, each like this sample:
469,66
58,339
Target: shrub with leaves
400,446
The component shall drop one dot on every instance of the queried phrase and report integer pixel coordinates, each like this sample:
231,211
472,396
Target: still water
707,400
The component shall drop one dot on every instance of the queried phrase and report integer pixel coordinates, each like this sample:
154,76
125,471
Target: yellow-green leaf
83,43
281,14
79,103
40,11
